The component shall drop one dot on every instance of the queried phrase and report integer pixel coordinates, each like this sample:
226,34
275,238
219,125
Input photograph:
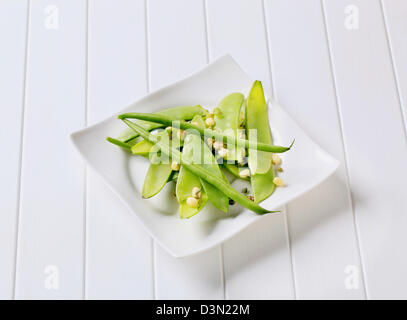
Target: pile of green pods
194,148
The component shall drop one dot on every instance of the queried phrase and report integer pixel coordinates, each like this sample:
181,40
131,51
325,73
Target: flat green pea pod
258,129
227,120
262,185
196,151
156,178
142,148
176,113
186,182
262,172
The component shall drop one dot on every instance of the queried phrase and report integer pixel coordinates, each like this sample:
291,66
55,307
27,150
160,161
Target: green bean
199,171
119,143
173,176
205,132
176,113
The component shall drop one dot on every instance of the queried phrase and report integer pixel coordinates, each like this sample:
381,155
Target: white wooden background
346,87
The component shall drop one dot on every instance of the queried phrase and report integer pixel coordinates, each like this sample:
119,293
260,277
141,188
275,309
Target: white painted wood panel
177,48
321,224
395,14
118,249
13,16
257,261
375,142
50,241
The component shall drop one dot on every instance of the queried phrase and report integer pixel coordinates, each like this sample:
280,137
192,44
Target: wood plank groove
177,49
321,226
237,27
50,239
119,257
395,18
369,106
13,16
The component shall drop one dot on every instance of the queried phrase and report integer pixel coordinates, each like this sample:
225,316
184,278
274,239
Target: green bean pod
206,132
119,143
176,113
199,171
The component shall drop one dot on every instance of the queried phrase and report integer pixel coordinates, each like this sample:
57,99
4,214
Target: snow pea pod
227,119
186,182
206,132
193,144
199,171
260,164
257,119
262,185
176,113
156,178
142,148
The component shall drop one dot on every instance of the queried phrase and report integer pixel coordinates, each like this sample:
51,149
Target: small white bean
244,173
196,192
278,182
218,145
175,166
192,202
210,122
276,159
223,152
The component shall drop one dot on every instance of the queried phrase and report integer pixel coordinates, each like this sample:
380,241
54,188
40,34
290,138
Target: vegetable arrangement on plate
195,147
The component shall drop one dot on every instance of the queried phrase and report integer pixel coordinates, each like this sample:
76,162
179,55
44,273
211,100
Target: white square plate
305,165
